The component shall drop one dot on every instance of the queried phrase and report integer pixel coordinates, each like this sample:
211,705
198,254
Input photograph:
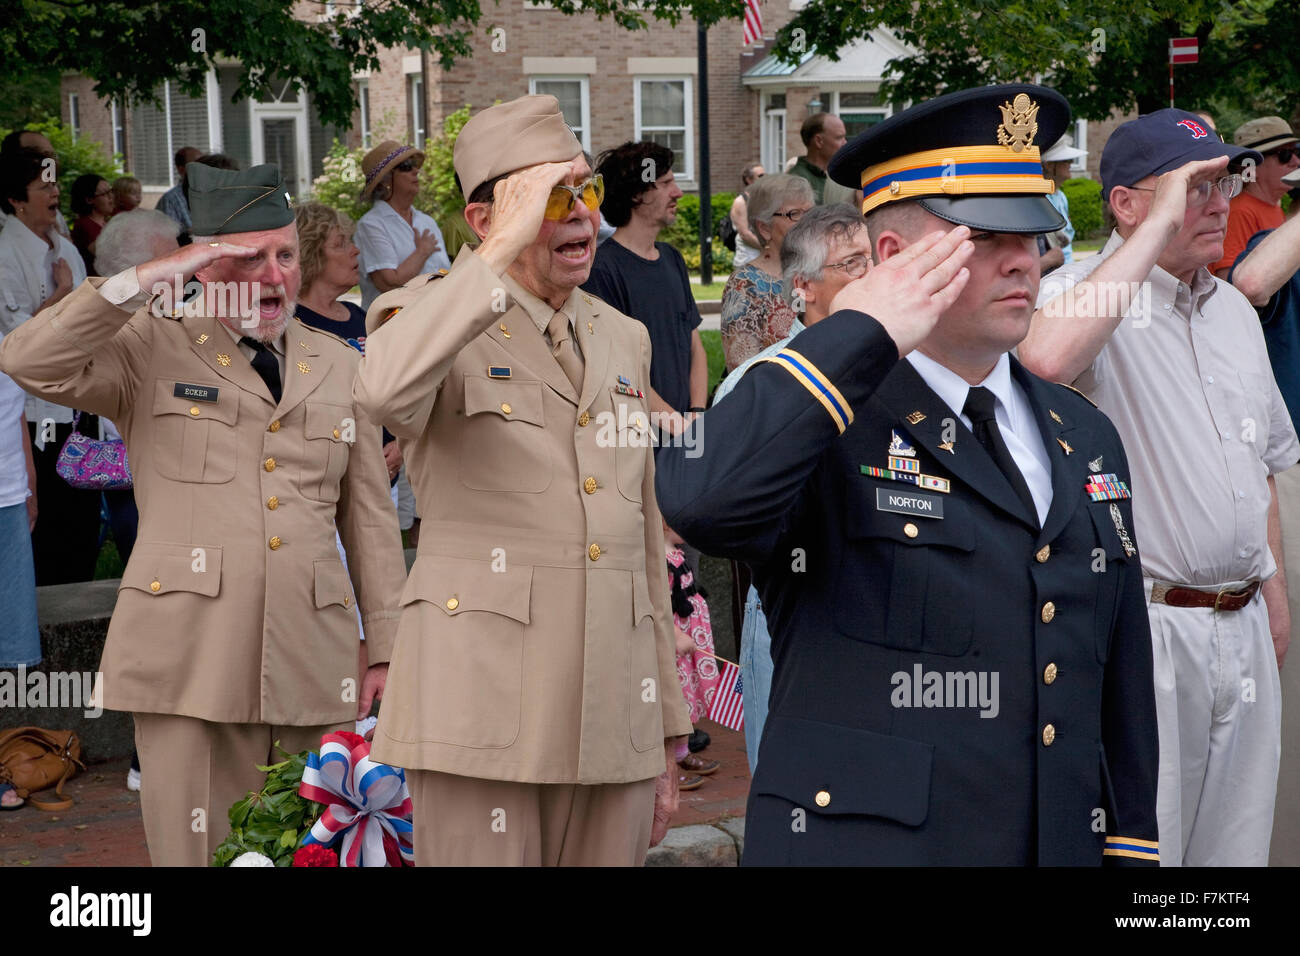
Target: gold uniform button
910,530
347,601
584,420
336,433
505,407
269,464
274,426
823,798
1049,734
1049,612
272,502
589,486
194,410
155,586
452,604
1043,554
1049,674
275,543
593,552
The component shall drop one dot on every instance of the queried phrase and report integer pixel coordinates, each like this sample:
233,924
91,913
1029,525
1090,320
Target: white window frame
688,108
885,110
117,117
363,104
1079,165
585,98
74,114
414,82
771,161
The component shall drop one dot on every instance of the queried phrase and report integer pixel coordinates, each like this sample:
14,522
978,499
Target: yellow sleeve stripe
811,378
1149,855
1133,841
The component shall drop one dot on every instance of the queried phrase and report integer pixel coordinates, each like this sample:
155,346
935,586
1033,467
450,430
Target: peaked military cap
970,157
223,201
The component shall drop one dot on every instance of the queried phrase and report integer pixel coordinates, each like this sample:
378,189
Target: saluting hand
186,261
908,292
1169,204
519,202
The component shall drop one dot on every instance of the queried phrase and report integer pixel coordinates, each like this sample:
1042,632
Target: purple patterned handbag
93,464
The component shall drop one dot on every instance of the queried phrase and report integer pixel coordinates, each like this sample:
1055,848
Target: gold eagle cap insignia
1019,123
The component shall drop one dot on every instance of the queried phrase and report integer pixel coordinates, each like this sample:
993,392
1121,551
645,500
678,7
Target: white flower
252,859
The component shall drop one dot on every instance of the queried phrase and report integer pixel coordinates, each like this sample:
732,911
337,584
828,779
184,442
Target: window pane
850,101
569,93
663,103
776,101
674,140
855,123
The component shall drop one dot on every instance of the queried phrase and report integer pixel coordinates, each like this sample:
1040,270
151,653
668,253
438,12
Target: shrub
438,195
75,159
1085,206
722,257
684,234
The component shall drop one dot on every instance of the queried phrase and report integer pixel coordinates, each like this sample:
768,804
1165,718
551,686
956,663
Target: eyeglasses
794,215
1229,187
406,166
101,194
563,198
1284,154
855,266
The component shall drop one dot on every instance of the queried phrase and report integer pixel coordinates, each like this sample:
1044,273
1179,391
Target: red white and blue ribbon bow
366,803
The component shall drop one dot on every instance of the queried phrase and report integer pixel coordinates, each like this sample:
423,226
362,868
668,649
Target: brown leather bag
33,759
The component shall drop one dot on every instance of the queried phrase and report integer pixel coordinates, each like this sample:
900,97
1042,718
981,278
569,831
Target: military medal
498,371
1106,487
904,467
625,387
1124,539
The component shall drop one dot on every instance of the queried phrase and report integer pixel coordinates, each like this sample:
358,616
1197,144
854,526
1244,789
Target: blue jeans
755,674
20,637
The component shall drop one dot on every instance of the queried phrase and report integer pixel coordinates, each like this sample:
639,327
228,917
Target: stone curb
719,844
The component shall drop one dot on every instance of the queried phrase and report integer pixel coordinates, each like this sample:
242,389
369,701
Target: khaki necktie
563,349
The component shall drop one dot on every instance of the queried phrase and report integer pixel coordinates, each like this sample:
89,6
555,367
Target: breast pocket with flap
194,435
503,443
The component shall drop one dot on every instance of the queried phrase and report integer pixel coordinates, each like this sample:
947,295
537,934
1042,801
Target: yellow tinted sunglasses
562,198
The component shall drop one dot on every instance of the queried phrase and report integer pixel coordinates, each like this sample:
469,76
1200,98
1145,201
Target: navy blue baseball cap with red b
1161,141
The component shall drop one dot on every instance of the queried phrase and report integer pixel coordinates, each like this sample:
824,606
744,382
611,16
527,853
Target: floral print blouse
754,314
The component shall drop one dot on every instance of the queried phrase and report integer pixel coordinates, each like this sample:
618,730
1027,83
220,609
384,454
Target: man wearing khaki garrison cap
236,622
533,686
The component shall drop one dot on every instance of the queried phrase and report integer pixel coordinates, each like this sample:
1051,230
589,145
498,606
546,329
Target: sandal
697,764
693,782
5,788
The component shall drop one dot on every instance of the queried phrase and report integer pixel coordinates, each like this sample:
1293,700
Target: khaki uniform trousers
469,821
189,765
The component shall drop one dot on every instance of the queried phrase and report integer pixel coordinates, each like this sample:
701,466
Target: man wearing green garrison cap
236,624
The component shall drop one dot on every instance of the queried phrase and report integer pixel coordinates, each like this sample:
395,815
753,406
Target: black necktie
265,365
979,409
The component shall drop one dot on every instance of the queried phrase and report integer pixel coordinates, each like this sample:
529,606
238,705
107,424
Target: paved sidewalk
104,827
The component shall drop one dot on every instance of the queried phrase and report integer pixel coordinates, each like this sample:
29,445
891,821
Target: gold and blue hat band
961,170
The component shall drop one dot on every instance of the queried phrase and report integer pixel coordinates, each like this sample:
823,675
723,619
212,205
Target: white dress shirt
386,240
1014,415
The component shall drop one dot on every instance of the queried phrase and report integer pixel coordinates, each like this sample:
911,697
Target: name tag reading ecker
196,393
909,503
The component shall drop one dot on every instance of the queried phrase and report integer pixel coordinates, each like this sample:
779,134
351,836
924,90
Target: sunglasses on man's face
1284,154
563,198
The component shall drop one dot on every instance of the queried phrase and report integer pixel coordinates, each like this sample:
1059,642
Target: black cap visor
996,213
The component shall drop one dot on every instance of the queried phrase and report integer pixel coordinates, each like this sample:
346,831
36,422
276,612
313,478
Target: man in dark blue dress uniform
943,541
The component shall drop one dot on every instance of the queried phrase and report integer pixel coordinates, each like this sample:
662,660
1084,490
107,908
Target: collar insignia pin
1065,446
201,339
948,446
916,418
1055,417
1095,464
223,359
304,367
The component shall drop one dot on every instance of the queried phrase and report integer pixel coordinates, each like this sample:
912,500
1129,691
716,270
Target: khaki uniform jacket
235,606
536,642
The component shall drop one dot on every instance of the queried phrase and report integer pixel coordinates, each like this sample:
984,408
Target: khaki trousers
192,771
468,821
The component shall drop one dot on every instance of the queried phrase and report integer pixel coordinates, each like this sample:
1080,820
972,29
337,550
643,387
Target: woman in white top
397,241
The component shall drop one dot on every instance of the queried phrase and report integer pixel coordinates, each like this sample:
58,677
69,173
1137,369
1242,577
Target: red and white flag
728,707
753,22
1183,49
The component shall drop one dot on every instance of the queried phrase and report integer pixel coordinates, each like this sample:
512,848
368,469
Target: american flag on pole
753,22
728,707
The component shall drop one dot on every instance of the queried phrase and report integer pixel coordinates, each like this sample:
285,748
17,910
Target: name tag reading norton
909,503
196,393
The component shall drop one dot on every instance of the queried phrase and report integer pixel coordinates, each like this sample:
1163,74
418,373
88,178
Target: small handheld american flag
753,22
728,707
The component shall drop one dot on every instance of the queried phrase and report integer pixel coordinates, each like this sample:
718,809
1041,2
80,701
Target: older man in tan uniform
235,624
533,684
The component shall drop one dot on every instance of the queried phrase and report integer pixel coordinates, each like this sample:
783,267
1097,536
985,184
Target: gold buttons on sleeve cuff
1049,612
194,410
1043,554
452,604
155,586
505,407
910,530
274,426
272,502
589,486
593,552
269,464
1049,674
584,420
822,799
1049,734
275,543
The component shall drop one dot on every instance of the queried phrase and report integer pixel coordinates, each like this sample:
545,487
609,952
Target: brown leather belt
1224,600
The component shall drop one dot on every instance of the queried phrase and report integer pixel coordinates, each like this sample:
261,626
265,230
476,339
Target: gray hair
129,237
806,246
770,193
